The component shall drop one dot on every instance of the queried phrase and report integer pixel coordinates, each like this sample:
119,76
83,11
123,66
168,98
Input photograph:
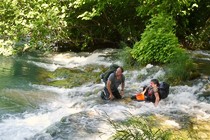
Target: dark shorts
105,94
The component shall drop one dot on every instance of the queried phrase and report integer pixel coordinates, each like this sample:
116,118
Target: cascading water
32,110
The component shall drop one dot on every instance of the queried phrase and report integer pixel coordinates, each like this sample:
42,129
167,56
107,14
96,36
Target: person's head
154,82
119,71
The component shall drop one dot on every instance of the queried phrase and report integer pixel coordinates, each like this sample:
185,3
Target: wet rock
78,126
70,77
41,137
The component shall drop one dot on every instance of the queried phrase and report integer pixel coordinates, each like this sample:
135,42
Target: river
30,109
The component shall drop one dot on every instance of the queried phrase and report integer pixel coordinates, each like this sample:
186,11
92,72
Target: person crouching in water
149,94
111,86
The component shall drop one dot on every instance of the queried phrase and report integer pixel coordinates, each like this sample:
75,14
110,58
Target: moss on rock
72,77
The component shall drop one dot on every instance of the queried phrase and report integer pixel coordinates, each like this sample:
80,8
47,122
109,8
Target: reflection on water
16,94
17,73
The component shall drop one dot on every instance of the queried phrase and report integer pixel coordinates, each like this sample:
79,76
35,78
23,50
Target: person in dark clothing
111,87
150,93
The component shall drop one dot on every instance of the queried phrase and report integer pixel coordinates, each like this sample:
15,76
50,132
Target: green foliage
126,58
137,128
105,22
158,42
181,67
196,33
200,39
192,19
151,128
31,24
173,8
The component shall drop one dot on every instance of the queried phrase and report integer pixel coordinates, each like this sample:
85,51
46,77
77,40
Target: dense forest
86,25
149,31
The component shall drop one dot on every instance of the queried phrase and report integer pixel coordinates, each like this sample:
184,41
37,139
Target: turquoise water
16,76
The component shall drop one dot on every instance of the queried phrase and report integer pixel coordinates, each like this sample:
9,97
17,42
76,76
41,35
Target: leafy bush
137,128
181,68
150,128
158,42
126,58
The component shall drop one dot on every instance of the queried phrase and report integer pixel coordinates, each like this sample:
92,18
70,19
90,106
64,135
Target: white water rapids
183,99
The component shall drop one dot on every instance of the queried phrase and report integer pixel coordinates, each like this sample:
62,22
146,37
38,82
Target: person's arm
145,90
157,98
109,89
122,89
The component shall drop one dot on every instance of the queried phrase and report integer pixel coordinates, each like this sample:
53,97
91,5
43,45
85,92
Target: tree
31,24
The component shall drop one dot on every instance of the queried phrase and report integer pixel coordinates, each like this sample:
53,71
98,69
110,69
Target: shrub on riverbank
181,68
159,45
138,128
158,42
152,128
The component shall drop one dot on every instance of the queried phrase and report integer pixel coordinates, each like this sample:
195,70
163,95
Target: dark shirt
150,94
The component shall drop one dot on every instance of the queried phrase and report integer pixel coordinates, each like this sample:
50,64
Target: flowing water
30,109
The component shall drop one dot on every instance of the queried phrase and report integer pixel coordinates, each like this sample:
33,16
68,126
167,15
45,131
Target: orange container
140,96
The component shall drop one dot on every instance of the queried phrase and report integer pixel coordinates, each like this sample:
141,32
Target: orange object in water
140,96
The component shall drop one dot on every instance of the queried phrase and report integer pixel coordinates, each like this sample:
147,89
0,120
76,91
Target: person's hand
122,93
111,97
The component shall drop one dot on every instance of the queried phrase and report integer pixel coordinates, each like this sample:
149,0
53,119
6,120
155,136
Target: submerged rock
72,77
83,125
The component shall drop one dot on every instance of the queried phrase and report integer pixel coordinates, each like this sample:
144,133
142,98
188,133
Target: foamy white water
182,99
72,60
